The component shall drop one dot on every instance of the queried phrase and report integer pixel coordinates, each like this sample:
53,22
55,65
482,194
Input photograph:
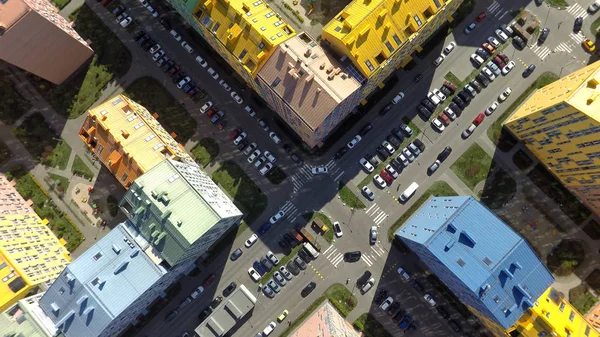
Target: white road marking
577,10
338,177
365,258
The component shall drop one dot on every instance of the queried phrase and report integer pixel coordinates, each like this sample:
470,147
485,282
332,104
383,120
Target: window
397,39
572,316
275,82
417,20
587,330
215,27
437,3
369,65
124,177
389,46
562,306
242,54
261,45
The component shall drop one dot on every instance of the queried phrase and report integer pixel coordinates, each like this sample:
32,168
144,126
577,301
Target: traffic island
328,234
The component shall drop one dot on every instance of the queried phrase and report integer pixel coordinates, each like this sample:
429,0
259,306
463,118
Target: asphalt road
303,192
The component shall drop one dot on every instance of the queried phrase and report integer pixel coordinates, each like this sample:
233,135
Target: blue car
404,323
259,268
189,86
264,228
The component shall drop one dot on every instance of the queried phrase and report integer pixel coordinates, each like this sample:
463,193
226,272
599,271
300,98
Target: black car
120,9
578,24
418,78
168,65
216,302
397,165
290,240
476,85
291,266
454,325
297,159
483,53
148,44
394,141
399,315
482,79
424,112
459,101
529,70
544,35
382,294
365,129
391,310
165,23
454,107
382,152
304,255
242,145
308,289
519,42
385,109
204,314
465,95
230,288
236,254
143,39
427,103
442,312
364,278
418,286
283,245
180,75
341,152
352,256
445,91
372,159
444,154
396,132
287,148
139,35
418,143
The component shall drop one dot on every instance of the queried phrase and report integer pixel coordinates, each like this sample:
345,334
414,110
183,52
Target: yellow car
282,316
589,46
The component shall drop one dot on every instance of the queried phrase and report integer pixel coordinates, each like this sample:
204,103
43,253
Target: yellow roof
371,30
139,134
580,89
250,30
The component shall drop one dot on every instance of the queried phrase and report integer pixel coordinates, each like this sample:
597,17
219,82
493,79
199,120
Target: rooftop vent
330,69
322,66
307,52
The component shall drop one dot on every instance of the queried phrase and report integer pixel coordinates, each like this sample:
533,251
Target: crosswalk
377,214
577,37
577,10
291,211
303,176
334,170
563,47
333,255
541,51
497,10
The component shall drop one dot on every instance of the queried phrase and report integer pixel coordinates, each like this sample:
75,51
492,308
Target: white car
158,55
269,156
225,86
197,292
438,125
274,260
409,155
490,110
253,156
126,22
450,113
398,98
266,169
187,47
388,147
319,170
379,181
403,159
251,240
273,136
213,73
392,171
337,229
368,193
439,94
477,59
183,82
501,35
488,73
504,95
267,331
439,60
373,235
175,35
201,61
450,47
253,274
152,11
354,141
492,40
275,218
285,272
249,110
508,67
261,160
433,98
404,274
240,137
204,108
429,300
236,97
366,165
386,304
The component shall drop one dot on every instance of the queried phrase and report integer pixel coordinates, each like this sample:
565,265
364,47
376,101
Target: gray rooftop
228,314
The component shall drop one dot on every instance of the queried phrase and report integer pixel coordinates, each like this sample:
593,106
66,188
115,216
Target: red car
211,111
174,70
209,280
233,135
488,47
480,17
193,92
387,177
478,119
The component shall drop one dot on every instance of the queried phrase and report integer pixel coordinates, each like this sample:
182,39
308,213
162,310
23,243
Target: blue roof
100,284
488,258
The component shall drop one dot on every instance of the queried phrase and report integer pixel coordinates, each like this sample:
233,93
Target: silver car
277,277
286,273
408,155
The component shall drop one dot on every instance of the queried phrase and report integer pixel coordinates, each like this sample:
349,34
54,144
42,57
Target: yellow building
30,255
560,125
380,35
552,315
128,139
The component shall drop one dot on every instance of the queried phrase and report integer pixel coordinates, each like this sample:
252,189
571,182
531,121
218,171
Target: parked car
470,28
544,35
529,70
308,289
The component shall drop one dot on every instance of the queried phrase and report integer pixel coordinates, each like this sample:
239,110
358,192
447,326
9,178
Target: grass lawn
59,157
12,104
522,160
495,131
348,197
37,136
276,176
58,222
60,3
62,183
565,257
594,27
557,3
248,197
370,326
582,299
80,168
151,94
567,202
5,153
337,294
453,79
593,280
438,188
205,151
473,166
499,191
328,236
111,59
416,131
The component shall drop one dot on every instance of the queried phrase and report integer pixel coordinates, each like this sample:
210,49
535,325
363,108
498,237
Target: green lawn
60,3
370,326
495,131
205,151
80,168
416,131
37,136
473,166
5,153
58,222
594,27
12,104
450,77
111,60
438,188
557,3
582,299
565,257
337,294
61,182
248,197
59,157
276,176
328,236
348,197
171,114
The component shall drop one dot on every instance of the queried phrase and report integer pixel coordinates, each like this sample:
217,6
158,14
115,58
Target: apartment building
560,125
26,318
228,314
35,38
128,139
326,321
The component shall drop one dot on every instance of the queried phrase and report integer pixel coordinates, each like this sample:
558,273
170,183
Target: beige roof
310,80
11,12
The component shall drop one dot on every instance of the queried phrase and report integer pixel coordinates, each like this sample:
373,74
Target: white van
311,250
408,192
368,285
